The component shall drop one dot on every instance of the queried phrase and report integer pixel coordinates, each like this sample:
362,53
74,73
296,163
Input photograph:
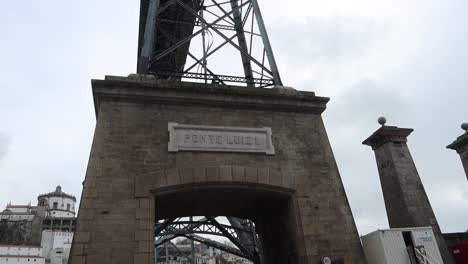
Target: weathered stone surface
130,161
405,198
461,146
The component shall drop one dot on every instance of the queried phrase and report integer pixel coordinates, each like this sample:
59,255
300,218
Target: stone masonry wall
129,159
464,159
406,201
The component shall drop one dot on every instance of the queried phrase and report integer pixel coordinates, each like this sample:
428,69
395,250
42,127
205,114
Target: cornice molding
139,89
387,134
460,144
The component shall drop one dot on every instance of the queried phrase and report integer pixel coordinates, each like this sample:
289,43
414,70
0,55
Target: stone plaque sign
219,138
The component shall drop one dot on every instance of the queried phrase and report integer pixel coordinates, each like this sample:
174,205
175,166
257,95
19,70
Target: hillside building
21,254
47,227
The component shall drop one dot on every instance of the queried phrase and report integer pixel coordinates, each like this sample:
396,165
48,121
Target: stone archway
271,208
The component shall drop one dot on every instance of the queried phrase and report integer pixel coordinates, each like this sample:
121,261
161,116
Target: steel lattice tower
178,39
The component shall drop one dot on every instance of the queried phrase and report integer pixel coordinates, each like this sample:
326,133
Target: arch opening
254,222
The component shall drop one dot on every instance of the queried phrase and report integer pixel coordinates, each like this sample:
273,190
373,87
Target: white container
389,246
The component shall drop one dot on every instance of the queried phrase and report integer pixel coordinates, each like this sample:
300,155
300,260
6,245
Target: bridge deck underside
168,34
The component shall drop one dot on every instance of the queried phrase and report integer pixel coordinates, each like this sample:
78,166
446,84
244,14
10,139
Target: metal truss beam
245,238
218,245
214,78
207,227
168,32
230,235
243,51
241,39
198,24
266,42
165,224
185,40
159,228
239,233
149,36
249,238
206,241
193,57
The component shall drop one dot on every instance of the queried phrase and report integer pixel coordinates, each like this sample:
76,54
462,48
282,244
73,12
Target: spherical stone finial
382,120
464,126
58,189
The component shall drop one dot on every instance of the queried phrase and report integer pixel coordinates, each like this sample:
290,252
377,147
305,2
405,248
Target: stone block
144,203
199,174
110,163
90,192
122,256
93,172
172,177
186,175
141,185
225,173
78,249
143,213
263,176
86,213
90,182
144,223
144,247
94,162
78,260
142,258
86,203
251,175
142,234
159,179
212,174
276,178
81,237
238,174
98,258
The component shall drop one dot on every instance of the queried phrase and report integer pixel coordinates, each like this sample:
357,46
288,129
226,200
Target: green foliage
18,232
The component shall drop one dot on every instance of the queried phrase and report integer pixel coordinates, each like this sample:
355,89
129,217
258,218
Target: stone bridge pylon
165,149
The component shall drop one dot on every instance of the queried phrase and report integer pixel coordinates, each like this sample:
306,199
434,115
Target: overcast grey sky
406,60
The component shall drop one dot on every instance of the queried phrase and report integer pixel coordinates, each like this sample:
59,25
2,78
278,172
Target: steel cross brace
244,52
205,227
162,226
182,42
217,245
193,57
263,82
165,238
172,228
229,236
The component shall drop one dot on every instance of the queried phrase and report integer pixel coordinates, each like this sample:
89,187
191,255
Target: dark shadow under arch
272,209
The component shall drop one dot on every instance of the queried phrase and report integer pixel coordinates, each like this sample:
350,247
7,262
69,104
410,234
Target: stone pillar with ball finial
461,146
406,201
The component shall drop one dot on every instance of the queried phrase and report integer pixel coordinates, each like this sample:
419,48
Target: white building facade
20,254
402,246
60,204
56,246
230,258
17,213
